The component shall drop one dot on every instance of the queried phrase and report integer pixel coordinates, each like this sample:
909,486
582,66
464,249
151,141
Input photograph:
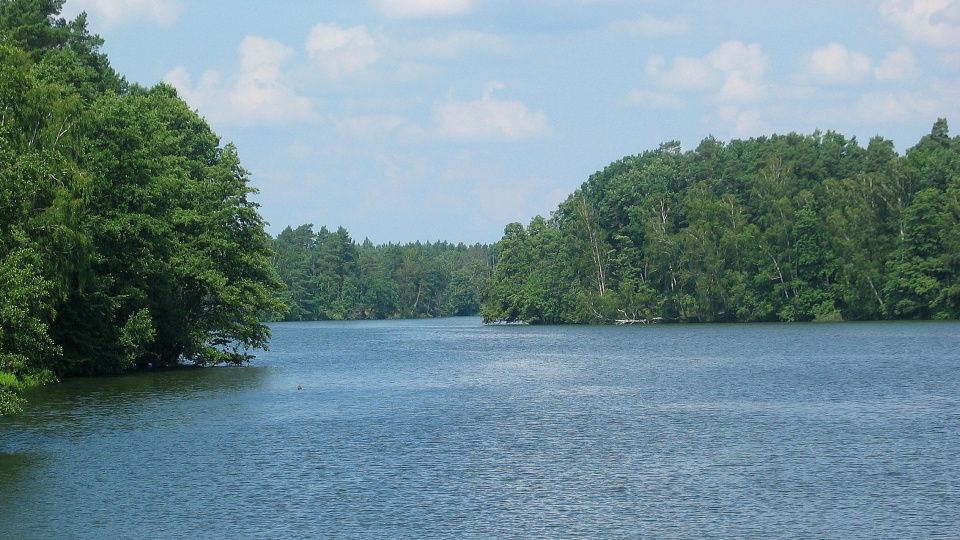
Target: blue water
450,429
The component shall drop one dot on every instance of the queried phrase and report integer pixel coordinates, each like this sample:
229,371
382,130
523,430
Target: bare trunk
786,293
592,225
416,301
874,289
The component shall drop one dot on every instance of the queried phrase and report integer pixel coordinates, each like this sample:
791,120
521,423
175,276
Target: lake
450,429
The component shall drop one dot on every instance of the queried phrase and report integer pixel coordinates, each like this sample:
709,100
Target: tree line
781,228
329,276
127,235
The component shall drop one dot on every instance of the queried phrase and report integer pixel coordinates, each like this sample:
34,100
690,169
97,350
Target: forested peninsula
780,228
127,235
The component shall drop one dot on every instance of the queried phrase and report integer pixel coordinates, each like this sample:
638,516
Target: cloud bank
260,92
488,118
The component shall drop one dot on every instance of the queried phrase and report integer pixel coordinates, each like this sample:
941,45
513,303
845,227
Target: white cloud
113,12
743,67
738,87
737,57
875,109
199,97
734,70
731,78
341,51
934,22
895,107
261,92
686,73
937,100
423,8
834,64
743,123
899,65
488,118
262,88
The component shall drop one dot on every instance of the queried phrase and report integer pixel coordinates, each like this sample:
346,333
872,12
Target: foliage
780,228
328,276
127,235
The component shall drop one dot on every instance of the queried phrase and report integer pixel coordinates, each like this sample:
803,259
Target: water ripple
448,429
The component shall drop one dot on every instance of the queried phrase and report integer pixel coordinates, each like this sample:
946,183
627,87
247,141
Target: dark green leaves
785,228
329,277
127,235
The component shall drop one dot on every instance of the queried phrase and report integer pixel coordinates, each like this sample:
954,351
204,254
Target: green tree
915,267
182,267
504,299
41,203
25,344
781,228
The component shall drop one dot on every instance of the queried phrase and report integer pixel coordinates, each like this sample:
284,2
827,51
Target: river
451,429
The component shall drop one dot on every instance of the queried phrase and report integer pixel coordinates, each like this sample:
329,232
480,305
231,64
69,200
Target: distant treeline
328,276
780,228
127,235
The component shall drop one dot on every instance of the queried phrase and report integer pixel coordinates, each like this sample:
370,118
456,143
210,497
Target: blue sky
407,120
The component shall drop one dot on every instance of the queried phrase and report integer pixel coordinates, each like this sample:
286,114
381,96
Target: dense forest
328,276
780,228
127,236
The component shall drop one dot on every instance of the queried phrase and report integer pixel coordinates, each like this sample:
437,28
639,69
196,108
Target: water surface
451,429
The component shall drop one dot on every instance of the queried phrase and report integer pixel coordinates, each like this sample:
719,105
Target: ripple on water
448,429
